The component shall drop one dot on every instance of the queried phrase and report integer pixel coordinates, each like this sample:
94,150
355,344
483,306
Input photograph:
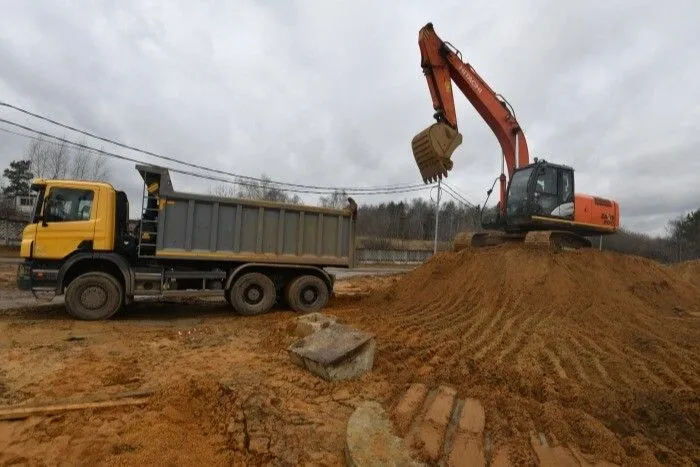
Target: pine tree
19,174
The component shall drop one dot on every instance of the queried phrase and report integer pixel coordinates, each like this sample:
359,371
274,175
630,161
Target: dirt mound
592,348
690,271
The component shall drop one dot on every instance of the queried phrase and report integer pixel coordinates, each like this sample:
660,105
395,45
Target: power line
457,196
194,174
208,169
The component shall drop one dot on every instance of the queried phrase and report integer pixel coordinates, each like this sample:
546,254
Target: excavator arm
432,148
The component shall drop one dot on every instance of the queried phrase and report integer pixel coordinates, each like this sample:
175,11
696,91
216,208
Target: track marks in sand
519,338
502,334
591,360
552,361
491,330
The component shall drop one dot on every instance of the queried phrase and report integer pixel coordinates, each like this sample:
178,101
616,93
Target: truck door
68,222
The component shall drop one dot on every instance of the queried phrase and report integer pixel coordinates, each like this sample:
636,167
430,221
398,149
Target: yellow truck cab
70,215
253,253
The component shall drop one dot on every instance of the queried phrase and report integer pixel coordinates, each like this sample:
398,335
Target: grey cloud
331,93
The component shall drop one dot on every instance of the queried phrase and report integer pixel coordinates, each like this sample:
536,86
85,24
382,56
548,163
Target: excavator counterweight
433,148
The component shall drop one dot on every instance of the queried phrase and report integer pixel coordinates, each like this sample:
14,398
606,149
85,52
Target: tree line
412,219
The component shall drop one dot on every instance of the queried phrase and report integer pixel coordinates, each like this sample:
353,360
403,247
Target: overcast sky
331,93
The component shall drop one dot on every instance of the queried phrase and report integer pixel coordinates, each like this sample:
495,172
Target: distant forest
414,219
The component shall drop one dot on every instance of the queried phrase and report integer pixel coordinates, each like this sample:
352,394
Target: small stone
409,406
369,439
466,452
473,417
310,323
341,395
234,427
239,440
432,430
259,445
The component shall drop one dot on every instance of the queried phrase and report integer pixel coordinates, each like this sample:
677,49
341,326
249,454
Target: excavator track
468,239
557,240
553,240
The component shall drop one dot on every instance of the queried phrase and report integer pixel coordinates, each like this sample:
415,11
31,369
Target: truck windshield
517,194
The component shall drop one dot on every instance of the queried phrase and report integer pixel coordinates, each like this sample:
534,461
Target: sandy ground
596,350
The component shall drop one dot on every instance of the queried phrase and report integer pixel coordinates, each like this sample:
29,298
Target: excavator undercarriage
555,240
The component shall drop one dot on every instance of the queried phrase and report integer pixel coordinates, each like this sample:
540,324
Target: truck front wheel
252,294
94,296
306,294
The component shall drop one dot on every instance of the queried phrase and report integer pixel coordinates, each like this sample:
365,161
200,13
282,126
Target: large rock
336,352
370,442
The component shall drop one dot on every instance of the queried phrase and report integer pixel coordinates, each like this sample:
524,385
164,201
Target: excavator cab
540,189
432,149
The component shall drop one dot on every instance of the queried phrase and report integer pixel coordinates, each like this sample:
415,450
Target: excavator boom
442,64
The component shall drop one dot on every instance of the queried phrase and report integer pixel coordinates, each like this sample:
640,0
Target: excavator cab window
546,190
541,190
553,192
518,193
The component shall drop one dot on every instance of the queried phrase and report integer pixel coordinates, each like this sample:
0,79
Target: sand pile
593,348
690,271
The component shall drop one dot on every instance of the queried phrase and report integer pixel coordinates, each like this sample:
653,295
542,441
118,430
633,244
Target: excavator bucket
432,149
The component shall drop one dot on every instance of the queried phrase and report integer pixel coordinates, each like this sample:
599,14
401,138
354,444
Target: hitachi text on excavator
537,200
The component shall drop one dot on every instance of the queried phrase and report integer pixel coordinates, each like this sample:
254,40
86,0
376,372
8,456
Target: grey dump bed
199,227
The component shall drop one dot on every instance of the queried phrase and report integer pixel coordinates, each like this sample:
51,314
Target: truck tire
306,294
252,294
94,296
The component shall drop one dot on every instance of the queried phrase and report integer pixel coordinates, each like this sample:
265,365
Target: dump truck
254,253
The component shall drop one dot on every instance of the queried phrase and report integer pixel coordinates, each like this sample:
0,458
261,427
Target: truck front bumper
32,277
24,276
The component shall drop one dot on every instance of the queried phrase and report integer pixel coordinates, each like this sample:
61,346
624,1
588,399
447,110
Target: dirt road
10,298
226,393
597,351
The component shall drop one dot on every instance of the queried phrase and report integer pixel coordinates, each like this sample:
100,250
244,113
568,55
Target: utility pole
437,213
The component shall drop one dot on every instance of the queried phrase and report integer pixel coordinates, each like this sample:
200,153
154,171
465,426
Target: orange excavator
537,199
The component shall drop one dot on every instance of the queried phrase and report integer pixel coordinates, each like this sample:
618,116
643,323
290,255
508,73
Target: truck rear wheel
306,294
252,294
94,296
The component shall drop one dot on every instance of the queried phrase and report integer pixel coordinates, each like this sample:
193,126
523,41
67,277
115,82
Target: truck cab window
68,205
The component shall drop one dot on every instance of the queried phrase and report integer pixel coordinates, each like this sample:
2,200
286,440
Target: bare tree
265,189
86,166
51,159
224,191
338,199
